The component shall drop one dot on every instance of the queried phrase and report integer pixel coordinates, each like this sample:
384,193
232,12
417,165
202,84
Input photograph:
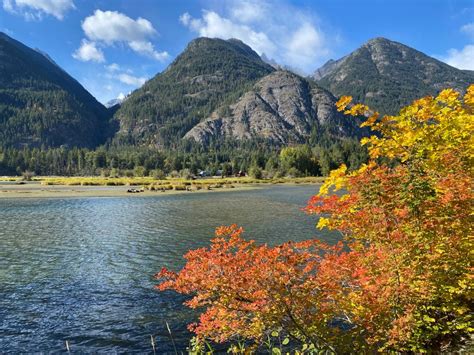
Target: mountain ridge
214,90
388,75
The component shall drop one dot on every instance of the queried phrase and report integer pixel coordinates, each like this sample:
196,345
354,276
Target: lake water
81,269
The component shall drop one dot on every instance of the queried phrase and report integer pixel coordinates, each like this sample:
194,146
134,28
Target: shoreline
12,190
65,191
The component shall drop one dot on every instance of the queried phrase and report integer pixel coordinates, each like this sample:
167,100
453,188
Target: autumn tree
402,280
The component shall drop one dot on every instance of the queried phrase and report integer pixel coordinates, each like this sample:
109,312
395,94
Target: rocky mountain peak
388,75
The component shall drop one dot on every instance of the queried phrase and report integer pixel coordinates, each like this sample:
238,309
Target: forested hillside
41,105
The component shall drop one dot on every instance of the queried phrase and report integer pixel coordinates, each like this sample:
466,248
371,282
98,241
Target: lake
81,269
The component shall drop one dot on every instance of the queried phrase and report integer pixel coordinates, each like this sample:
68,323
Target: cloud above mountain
213,25
132,80
462,58
36,9
468,29
282,32
88,51
110,28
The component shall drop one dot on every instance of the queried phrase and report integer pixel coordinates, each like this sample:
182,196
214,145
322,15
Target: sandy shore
36,190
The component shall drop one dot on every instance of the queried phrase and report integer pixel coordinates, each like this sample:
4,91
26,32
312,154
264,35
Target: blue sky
113,46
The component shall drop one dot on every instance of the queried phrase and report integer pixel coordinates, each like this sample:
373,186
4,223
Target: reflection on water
81,269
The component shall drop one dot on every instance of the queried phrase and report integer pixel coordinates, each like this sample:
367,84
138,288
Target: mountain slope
40,104
282,108
209,73
388,75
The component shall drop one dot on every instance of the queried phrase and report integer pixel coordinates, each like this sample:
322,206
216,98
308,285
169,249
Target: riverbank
46,187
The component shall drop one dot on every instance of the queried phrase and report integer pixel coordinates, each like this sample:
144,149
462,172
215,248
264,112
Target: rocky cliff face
282,108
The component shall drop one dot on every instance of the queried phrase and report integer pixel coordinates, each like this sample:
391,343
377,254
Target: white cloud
8,6
249,11
112,27
213,25
132,80
116,73
88,51
274,28
461,59
468,29
113,67
305,44
147,49
35,9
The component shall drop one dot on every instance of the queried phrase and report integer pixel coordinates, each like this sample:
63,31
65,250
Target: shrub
28,175
402,279
114,173
139,171
255,172
158,174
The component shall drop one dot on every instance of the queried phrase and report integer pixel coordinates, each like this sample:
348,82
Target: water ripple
81,269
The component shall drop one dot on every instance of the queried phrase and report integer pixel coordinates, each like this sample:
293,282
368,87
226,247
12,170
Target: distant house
241,173
219,172
203,173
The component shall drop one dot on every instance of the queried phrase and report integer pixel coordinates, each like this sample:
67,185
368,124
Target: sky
113,46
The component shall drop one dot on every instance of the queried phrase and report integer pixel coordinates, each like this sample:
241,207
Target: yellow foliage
323,223
429,128
336,180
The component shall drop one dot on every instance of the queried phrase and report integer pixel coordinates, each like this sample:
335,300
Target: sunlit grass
9,178
171,183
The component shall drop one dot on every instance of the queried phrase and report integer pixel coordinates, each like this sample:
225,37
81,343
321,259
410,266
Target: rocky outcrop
282,108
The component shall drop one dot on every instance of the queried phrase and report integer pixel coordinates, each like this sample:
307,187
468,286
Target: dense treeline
255,158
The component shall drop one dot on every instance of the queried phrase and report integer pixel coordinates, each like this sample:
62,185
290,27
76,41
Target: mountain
330,66
207,75
388,75
117,102
215,90
41,105
281,108
113,102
